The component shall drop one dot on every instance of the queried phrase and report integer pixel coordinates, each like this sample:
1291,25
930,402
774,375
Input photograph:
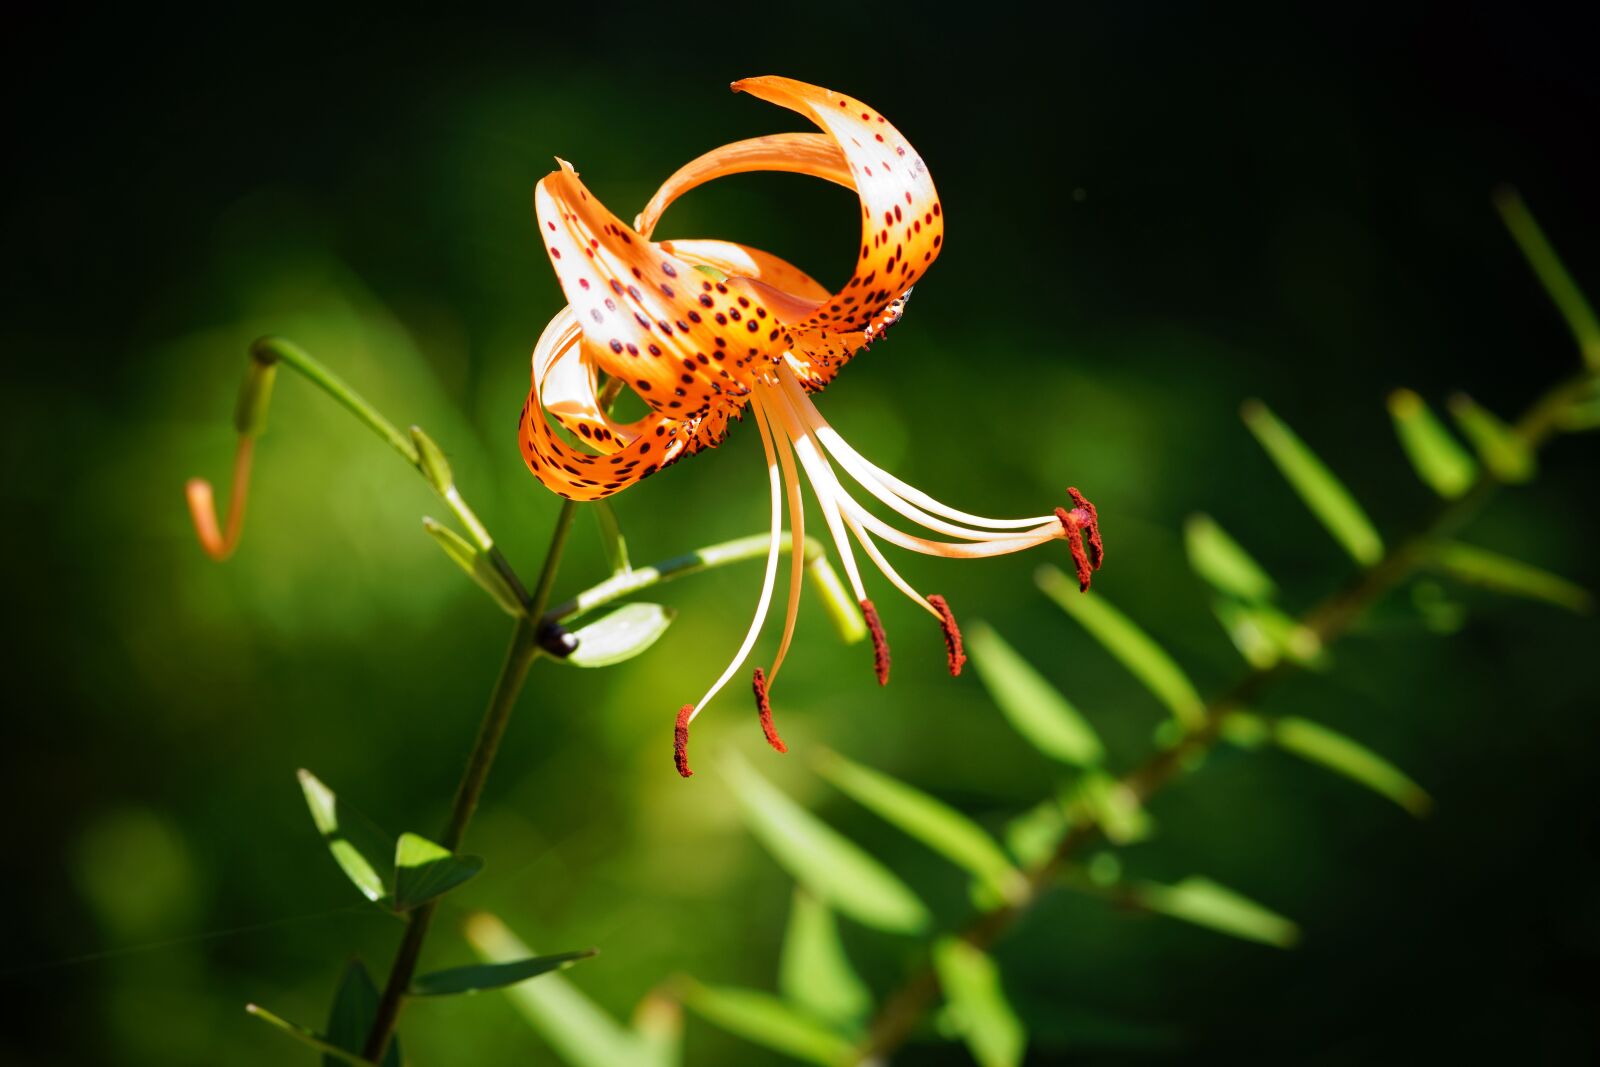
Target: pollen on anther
758,684
1073,522
880,643
1097,548
680,741
955,655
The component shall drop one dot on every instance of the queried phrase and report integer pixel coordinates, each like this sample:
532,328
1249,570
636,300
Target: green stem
1329,620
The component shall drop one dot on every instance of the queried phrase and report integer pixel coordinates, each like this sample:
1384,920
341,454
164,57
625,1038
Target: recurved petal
566,384
578,475
799,153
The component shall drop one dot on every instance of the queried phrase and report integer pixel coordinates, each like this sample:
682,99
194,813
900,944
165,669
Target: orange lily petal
578,475
567,386
798,153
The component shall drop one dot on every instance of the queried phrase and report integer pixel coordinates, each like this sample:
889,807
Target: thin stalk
1330,620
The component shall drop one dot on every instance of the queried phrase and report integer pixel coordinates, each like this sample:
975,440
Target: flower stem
1330,620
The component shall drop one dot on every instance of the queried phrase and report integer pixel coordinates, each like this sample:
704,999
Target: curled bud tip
880,643
758,683
954,653
680,741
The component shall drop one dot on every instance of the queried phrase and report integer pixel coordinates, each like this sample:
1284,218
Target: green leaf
1478,566
1101,800
1504,451
355,1006
1205,903
431,462
1222,563
475,563
765,1020
658,1025
1338,753
818,857
620,635
933,822
814,973
1330,501
1034,707
1441,463
611,539
364,852
1568,298
980,1011
424,870
1130,645
579,1031
1263,634
476,979
1033,835
842,611
1583,413
308,1037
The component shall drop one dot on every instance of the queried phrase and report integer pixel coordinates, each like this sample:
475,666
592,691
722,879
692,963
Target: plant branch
1329,621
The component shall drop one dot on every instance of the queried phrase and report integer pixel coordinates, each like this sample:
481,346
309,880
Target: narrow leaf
980,1011
841,608
1329,500
579,1031
616,548
621,635
307,1037
1205,903
1583,413
814,973
1034,707
1263,634
765,1020
933,822
355,1006
1145,659
1568,298
1033,835
1101,800
834,868
1223,563
476,979
1478,566
475,563
1338,753
1504,451
658,1025
1442,464
424,870
364,852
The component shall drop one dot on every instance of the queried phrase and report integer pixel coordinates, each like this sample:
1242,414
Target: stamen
880,643
954,653
1073,521
797,548
758,683
1097,549
680,740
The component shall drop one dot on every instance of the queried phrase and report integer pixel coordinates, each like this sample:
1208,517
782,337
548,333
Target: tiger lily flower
704,331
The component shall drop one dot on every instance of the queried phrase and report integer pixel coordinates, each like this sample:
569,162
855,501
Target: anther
1083,521
1097,548
758,684
955,655
880,643
680,741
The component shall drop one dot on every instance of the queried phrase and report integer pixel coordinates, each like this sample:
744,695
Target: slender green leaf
763,1019
1568,298
616,548
933,822
1442,464
658,1025
980,1011
1205,903
620,635
1504,451
478,977
1338,753
308,1037
1134,648
1329,500
814,973
579,1031
842,611
1033,835
1101,800
364,852
424,870
1034,707
431,462
1478,566
1439,612
475,563
1223,563
1583,413
354,1008
834,868
1263,634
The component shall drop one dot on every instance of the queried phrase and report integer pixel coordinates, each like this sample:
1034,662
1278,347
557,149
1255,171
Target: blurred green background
1154,213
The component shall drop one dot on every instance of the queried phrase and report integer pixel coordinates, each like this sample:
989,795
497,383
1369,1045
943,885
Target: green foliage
1479,566
1324,494
308,1037
432,463
979,1009
425,870
1342,755
611,539
767,1021
1553,275
1101,800
355,1005
620,635
1034,707
837,870
255,398
814,973
1263,634
475,979
476,563
1223,563
1503,451
842,610
364,852
1440,462
1205,903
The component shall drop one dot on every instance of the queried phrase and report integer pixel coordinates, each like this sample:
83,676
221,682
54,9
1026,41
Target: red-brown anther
1073,522
680,741
758,683
880,643
955,655
1097,548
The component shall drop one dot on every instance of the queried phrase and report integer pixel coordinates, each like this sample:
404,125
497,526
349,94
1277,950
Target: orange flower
704,330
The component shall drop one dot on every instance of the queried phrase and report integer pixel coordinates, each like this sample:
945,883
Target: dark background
1154,213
